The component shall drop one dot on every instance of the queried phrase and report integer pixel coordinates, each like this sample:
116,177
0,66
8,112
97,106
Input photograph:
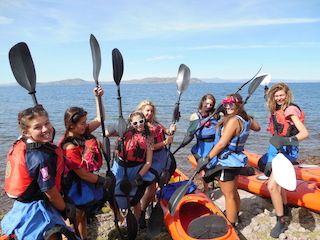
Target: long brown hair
271,103
71,117
238,110
204,98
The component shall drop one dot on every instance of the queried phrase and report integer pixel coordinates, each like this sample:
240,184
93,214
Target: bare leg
148,196
230,192
276,195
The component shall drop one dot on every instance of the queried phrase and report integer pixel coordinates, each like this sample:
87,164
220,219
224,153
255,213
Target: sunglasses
36,109
141,121
231,105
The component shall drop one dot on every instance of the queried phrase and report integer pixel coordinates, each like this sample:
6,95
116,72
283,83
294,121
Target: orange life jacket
17,179
157,132
278,124
135,147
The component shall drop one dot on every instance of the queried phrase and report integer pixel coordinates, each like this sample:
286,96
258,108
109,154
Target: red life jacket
278,124
135,147
17,179
89,150
157,132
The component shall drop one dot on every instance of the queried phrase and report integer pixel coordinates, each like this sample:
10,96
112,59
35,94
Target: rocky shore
256,222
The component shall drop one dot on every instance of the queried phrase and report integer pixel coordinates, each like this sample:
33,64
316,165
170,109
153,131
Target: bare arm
255,126
148,162
303,132
87,176
95,123
55,198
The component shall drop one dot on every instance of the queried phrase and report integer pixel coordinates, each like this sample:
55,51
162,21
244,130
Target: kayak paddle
96,59
125,186
156,218
286,179
23,68
256,80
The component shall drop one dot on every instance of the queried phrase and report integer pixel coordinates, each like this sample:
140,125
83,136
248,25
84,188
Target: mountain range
153,80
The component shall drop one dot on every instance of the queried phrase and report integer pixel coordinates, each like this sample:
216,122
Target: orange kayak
307,193
195,214
303,171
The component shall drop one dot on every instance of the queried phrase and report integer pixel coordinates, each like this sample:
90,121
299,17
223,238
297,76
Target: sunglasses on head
231,105
36,109
141,121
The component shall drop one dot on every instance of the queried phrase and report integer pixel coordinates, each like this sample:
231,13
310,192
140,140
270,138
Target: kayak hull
193,207
307,193
303,171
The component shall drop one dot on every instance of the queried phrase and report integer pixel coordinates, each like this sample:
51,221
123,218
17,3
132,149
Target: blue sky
227,39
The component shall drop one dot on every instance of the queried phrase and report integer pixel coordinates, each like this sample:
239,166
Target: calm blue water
56,99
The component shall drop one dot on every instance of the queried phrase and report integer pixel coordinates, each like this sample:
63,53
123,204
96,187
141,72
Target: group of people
58,185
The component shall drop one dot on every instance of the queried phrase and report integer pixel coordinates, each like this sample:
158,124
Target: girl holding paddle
205,135
160,162
226,156
133,160
33,178
83,157
286,126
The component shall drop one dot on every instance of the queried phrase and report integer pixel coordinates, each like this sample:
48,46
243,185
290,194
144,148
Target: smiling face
80,127
229,107
137,122
39,130
207,105
148,112
280,97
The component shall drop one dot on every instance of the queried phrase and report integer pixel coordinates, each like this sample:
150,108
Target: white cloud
241,23
5,20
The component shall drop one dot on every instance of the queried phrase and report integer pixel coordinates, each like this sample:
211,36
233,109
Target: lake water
56,99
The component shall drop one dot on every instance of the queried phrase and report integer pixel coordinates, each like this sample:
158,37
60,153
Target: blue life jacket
232,155
207,132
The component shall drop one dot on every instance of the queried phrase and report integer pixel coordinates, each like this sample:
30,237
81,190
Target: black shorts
224,174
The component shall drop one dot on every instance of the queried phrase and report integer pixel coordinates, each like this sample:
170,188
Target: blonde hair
271,103
145,103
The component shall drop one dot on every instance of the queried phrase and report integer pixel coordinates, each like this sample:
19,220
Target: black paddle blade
254,85
176,113
132,225
96,57
177,196
125,186
22,66
164,178
117,62
122,126
106,149
155,223
112,178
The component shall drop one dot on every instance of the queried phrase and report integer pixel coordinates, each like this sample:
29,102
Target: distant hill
152,80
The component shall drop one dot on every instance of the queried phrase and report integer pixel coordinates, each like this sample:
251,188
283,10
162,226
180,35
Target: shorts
226,175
